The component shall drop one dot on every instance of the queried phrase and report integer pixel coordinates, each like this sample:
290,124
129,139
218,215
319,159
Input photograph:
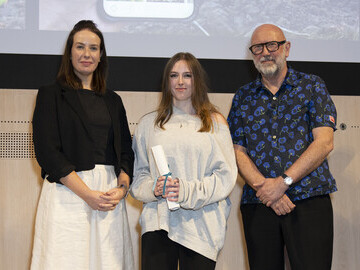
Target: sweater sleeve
46,137
141,188
221,179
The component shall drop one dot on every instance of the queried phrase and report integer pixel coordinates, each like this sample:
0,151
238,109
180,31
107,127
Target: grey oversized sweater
205,164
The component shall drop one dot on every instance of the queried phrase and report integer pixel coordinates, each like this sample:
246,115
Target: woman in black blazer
83,146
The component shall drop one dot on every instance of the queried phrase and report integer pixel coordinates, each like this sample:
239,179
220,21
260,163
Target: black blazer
62,137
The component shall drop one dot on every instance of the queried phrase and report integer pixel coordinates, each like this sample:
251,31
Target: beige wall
20,182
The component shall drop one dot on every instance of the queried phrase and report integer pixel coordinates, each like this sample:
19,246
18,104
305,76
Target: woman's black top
100,126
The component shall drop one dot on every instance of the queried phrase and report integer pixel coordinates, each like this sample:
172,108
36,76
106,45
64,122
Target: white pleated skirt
70,235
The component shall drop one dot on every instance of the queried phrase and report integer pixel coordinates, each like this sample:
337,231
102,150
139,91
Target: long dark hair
199,98
66,75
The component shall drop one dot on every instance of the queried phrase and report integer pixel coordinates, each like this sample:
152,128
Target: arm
198,193
123,140
247,169
253,177
124,181
127,154
46,136
316,153
116,194
141,188
246,166
91,197
272,189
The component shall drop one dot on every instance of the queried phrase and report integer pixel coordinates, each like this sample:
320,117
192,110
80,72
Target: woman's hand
113,197
172,191
172,187
91,197
98,200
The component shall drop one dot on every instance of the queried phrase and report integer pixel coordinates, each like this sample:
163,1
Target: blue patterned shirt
277,129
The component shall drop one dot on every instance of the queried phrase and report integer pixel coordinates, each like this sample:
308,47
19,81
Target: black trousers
307,233
161,253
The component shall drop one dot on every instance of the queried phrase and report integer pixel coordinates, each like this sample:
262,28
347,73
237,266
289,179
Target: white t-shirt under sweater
205,164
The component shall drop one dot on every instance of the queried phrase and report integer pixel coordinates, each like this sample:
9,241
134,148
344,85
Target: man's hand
283,206
271,190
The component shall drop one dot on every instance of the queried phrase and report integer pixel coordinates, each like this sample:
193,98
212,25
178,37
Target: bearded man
282,126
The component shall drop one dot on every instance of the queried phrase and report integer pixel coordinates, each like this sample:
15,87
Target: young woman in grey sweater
199,152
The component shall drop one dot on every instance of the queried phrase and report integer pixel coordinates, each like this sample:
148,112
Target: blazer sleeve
127,154
46,136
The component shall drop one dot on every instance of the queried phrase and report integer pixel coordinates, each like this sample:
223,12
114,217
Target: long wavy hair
199,98
66,75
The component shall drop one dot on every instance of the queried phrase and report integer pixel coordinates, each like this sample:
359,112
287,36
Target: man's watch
287,179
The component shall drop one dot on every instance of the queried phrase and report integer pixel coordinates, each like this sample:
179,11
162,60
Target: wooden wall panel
20,183
19,180
344,162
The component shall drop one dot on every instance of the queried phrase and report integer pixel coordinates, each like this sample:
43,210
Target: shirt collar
290,79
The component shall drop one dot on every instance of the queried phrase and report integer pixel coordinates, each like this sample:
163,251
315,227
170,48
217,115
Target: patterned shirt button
274,137
274,98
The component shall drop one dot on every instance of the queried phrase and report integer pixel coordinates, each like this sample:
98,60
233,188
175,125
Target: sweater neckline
177,111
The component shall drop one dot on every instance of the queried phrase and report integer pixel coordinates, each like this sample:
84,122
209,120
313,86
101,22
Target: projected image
12,14
177,9
317,19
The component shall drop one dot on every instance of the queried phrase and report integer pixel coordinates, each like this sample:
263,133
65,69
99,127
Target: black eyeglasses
271,46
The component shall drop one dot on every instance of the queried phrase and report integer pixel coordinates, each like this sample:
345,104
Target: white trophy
163,168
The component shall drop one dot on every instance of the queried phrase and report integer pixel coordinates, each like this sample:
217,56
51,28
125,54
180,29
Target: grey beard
273,69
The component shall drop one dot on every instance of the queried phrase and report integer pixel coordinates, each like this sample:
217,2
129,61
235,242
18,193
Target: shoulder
113,98
247,89
147,119
50,88
112,94
221,132
219,118
47,92
304,77
145,124
308,84
220,122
